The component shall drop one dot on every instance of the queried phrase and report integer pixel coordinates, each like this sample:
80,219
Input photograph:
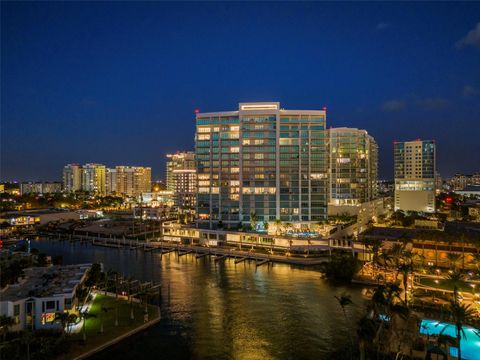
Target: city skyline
125,90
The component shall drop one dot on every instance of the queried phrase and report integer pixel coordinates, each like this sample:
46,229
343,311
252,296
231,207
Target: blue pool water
470,343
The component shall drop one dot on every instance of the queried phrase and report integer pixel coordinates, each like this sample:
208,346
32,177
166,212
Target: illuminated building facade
72,178
261,160
40,187
111,181
182,180
460,181
353,166
184,160
133,180
415,169
93,178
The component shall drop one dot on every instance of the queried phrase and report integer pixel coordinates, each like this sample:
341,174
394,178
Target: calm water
227,311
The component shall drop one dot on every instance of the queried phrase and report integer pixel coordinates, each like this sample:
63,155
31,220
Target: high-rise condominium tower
111,181
72,177
93,178
261,160
182,180
353,166
184,160
415,171
133,180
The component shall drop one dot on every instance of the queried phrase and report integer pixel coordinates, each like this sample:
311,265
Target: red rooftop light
197,111
324,108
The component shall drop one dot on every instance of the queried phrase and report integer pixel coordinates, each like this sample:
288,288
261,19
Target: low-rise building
470,191
461,181
40,187
34,217
153,213
158,198
43,292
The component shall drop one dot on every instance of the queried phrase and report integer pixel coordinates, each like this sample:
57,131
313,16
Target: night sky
117,83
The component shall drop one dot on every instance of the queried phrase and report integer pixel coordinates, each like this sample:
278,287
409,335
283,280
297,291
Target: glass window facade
353,166
266,161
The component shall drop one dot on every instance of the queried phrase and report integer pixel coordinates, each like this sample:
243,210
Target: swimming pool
470,343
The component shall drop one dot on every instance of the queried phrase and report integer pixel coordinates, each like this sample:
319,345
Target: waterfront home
40,294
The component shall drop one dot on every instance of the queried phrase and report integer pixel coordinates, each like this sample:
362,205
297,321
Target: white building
415,170
40,187
43,292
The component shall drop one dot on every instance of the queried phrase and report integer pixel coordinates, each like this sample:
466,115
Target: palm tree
456,278
84,316
105,310
345,300
265,225
476,261
406,269
396,252
385,305
253,220
462,314
375,245
385,259
65,319
278,224
5,323
366,333
404,238
454,260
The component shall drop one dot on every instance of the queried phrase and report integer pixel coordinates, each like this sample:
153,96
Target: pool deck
470,343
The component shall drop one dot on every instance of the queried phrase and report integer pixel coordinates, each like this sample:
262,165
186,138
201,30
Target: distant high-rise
133,180
182,180
72,177
179,161
353,166
111,181
261,160
415,170
40,187
93,178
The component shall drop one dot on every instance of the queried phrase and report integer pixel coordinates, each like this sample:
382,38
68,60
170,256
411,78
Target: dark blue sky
117,82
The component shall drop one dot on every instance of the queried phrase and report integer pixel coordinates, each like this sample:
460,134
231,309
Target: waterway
225,310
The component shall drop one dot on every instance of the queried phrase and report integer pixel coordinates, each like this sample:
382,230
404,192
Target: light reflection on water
226,310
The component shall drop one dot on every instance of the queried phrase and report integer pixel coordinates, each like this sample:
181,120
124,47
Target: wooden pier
239,260
181,253
261,262
221,257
